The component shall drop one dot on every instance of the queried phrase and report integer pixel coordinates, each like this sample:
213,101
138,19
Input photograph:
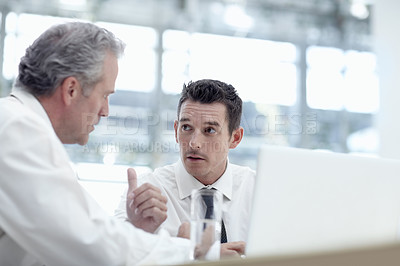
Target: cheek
220,147
182,142
182,138
96,102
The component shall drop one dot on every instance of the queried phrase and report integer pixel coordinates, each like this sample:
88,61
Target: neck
54,109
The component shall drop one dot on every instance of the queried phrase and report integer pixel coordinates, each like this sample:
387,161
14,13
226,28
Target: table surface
386,255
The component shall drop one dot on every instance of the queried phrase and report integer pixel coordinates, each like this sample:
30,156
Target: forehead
109,74
206,112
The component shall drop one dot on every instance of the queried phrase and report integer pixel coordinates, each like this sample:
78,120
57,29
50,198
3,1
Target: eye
186,128
210,130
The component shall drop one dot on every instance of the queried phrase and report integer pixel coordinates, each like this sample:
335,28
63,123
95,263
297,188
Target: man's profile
46,217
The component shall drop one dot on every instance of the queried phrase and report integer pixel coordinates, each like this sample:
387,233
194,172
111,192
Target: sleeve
47,212
120,211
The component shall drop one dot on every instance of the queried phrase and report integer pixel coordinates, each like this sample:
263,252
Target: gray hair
72,49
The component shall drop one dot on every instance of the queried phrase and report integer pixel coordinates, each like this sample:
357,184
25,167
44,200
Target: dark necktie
208,200
223,233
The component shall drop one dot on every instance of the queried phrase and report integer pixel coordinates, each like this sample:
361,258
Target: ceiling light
235,16
359,10
73,3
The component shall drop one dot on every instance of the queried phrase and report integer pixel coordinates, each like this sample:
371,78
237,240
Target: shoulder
11,110
14,114
243,176
165,171
162,176
244,171
25,136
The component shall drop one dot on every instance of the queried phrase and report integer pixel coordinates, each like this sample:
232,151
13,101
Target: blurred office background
317,74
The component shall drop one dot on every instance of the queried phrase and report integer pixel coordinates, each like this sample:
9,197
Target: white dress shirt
236,185
46,216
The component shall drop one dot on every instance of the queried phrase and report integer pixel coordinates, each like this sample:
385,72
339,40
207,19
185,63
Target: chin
195,172
83,141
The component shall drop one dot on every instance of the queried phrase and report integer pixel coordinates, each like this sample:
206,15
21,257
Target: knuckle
153,202
146,185
164,199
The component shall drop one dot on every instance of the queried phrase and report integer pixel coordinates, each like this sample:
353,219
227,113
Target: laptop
310,201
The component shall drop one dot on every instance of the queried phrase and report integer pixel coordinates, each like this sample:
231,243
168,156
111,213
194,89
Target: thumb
132,180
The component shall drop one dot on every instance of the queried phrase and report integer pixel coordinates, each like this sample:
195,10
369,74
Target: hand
184,230
145,206
233,249
207,240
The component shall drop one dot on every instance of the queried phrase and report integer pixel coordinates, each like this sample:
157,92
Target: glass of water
205,224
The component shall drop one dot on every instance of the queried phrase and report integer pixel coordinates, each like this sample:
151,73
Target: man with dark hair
46,217
207,127
211,91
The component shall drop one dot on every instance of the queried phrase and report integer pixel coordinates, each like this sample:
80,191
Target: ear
236,137
70,90
176,130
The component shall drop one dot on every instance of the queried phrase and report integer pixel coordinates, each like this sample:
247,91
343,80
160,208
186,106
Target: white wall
386,29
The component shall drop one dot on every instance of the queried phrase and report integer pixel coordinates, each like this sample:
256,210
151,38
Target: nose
104,111
195,141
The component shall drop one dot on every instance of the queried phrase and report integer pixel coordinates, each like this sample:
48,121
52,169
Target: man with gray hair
46,217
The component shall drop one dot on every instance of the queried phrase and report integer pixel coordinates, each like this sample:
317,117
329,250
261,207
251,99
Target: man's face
89,109
204,139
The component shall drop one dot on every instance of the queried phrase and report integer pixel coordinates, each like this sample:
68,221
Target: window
21,31
137,68
338,79
262,71
265,73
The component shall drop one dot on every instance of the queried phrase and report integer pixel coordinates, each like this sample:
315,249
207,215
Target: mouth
194,157
95,123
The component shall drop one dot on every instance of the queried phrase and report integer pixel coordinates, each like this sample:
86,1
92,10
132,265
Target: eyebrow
210,123
184,119
213,123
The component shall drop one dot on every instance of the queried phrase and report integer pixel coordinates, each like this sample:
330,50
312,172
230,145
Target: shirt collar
186,182
31,102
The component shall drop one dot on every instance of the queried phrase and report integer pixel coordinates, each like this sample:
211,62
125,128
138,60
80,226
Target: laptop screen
307,201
